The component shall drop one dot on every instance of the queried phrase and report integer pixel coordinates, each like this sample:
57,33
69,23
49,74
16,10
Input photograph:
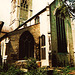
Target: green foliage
25,58
10,70
62,60
38,71
14,71
41,71
31,64
33,69
55,72
63,9
1,68
63,70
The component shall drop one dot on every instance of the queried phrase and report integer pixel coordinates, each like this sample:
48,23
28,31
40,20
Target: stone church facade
37,31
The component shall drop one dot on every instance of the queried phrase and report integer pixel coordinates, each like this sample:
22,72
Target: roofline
1,25
51,3
33,16
3,37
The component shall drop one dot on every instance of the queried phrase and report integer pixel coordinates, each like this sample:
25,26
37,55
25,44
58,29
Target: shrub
14,71
63,70
1,68
33,68
38,71
25,58
11,70
31,64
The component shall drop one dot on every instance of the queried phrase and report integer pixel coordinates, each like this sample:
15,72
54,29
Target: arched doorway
26,45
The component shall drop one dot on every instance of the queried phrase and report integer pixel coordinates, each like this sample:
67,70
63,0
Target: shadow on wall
1,25
11,53
26,45
60,60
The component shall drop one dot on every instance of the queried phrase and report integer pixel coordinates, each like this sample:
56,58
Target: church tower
25,10
21,10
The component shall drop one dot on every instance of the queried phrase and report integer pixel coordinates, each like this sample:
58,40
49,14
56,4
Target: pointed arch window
61,34
43,40
23,1
37,20
24,4
43,47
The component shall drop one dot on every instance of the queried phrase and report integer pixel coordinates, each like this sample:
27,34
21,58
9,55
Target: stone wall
25,10
13,45
63,59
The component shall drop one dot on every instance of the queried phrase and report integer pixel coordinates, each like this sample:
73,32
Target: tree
71,6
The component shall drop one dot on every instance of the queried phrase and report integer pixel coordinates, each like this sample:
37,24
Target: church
38,29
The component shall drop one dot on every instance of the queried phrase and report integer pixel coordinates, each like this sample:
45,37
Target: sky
5,7
5,11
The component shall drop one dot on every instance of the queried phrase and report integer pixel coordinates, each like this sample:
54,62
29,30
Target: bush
33,68
31,64
14,71
11,70
1,68
25,58
38,71
63,70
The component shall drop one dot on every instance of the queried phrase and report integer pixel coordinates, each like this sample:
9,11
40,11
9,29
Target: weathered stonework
13,50
25,10
61,59
46,25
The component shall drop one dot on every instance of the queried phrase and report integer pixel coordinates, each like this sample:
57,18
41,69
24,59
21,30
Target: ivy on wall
70,5
63,10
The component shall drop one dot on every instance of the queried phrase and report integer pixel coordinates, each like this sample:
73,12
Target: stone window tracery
24,4
43,47
61,35
37,20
